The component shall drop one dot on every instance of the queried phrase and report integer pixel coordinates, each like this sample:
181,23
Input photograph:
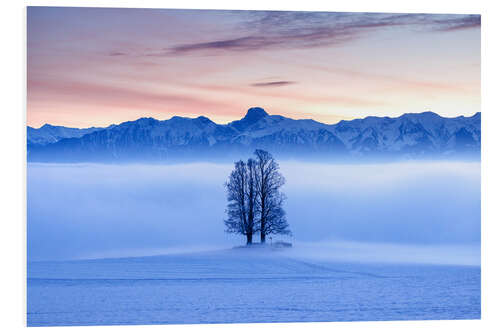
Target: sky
100,66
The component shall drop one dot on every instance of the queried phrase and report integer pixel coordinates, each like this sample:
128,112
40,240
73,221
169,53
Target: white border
12,129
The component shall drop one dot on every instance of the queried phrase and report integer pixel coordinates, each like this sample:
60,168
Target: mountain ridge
181,138
52,133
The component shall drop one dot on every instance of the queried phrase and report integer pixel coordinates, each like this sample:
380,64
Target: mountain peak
254,114
204,119
430,113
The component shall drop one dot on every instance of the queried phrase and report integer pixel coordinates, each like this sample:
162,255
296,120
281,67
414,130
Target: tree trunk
249,239
262,228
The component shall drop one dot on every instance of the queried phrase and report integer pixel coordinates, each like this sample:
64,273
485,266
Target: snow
49,134
413,134
428,267
242,286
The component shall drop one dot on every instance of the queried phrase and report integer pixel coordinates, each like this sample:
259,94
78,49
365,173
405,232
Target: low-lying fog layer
431,209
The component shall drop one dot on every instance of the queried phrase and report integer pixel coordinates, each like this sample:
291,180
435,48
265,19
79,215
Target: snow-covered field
393,241
245,285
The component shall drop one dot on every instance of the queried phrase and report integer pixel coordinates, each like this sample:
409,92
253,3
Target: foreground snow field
245,285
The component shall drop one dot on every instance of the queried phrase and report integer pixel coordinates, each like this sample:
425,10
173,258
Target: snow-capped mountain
411,135
50,134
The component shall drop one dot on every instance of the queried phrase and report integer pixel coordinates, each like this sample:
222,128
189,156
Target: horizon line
225,124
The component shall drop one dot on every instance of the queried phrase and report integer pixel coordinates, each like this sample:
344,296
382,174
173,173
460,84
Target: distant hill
413,135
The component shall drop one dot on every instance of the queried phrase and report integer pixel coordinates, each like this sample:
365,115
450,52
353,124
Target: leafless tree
241,197
255,201
271,216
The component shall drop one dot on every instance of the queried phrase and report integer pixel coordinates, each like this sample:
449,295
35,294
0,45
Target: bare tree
276,222
270,200
255,201
251,194
241,197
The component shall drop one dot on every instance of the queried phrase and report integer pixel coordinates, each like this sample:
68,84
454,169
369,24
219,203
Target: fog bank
92,210
342,251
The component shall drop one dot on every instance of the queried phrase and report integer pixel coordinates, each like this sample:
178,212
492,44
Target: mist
430,211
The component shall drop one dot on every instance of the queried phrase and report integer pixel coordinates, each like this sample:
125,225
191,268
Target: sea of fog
419,212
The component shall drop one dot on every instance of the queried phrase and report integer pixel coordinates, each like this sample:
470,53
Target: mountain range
50,134
412,135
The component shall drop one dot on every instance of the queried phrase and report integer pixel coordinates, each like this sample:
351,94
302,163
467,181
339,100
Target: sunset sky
95,67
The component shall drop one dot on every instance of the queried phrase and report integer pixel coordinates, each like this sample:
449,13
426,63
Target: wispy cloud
236,44
268,30
273,84
461,23
116,54
298,97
